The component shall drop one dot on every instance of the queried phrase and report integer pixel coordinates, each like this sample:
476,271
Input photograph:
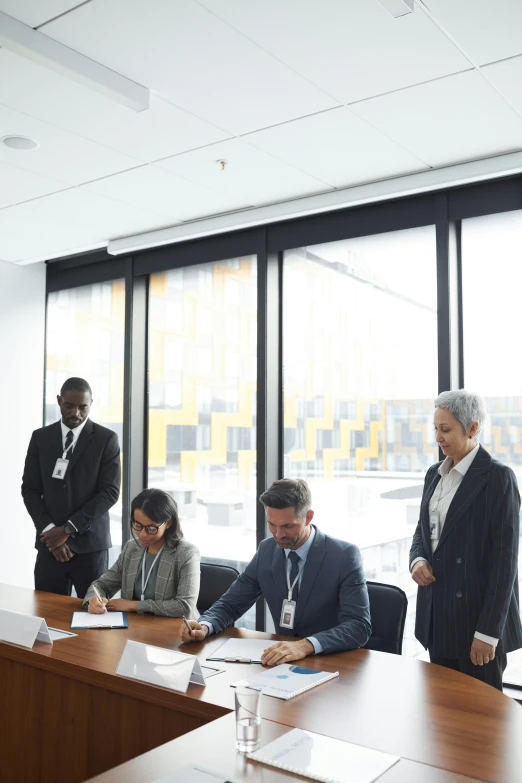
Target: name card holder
159,666
23,629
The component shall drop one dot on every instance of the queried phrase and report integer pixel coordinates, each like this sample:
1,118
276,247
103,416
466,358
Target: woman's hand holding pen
97,605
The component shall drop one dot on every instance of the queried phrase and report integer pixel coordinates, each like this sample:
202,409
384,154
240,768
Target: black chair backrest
215,580
388,606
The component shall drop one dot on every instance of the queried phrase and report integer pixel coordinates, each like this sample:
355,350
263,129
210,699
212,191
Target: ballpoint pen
99,597
186,623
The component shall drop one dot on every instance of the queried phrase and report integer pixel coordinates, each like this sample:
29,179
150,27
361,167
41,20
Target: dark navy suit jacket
90,487
475,563
333,603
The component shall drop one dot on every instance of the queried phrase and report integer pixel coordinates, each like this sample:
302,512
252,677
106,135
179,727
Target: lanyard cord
144,581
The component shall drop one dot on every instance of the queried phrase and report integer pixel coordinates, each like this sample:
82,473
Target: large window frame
445,209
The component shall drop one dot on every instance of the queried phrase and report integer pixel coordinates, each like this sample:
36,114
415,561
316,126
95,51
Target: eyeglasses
150,529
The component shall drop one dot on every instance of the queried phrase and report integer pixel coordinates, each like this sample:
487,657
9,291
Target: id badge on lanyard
289,606
60,469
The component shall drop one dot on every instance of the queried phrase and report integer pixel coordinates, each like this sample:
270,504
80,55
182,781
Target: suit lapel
425,508
165,566
83,440
132,569
56,440
474,480
311,570
279,572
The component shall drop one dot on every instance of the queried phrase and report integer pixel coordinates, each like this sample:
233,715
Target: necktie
294,559
68,442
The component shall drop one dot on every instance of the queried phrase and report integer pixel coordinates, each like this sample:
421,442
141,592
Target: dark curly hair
160,507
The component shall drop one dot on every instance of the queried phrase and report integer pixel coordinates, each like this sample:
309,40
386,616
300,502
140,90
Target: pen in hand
99,597
188,626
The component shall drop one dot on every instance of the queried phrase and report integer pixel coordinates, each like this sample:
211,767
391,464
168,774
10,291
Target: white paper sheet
241,650
105,620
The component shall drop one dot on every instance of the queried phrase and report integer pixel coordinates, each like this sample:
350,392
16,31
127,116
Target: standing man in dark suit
71,480
464,554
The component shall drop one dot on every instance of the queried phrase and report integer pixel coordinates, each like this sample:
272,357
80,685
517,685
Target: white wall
22,332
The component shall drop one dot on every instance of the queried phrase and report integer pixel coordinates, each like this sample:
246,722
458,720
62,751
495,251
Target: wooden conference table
66,716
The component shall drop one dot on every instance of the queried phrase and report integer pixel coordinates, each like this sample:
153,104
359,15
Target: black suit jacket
90,487
475,563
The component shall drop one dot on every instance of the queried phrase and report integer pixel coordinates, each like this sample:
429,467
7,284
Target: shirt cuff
318,647
488,639
417,560
48,527
209,626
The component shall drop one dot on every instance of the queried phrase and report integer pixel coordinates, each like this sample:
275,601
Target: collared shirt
76,431
303,554
445,491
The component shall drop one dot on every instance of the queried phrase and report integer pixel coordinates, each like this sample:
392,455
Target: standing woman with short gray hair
464,553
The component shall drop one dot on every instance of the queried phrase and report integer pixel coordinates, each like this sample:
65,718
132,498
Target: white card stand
158,666
23,629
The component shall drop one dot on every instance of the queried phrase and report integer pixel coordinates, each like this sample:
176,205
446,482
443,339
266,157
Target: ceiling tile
251,176
18,185
487,30
336,147
183,53
507,77
160,131
36,12
164,193
67,220
447,121
61,155
352,49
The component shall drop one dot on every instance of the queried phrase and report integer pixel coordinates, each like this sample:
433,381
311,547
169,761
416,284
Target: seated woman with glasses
158,570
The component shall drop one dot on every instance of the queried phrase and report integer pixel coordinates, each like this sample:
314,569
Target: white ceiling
299,98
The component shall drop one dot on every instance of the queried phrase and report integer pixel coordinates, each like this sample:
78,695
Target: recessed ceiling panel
67,221
447,121
487,30
18,185
352,49
36,12
149,187
506,76
250,175
337,147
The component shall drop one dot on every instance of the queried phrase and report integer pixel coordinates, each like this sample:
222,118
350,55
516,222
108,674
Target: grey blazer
333,603
475,563
177,583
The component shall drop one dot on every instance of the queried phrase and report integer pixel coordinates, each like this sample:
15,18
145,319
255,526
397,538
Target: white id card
287,614
434,526
60,469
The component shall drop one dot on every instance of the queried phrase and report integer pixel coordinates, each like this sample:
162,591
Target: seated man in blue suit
314,585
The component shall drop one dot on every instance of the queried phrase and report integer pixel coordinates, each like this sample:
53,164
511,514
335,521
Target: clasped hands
97,606
481,652
280,652
55,541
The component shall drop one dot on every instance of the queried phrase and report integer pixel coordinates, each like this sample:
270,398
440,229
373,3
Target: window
202,403
85,338
360,377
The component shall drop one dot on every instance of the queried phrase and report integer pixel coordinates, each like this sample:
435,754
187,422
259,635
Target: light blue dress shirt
303,554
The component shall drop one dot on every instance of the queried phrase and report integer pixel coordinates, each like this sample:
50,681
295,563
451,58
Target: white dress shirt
440,502
76,431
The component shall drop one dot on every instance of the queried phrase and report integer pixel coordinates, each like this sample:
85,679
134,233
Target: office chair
388,606
215,580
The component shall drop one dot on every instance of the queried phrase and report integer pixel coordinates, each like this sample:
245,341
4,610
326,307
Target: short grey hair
287,493
466,406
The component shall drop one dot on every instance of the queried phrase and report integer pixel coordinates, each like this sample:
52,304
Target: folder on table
84,620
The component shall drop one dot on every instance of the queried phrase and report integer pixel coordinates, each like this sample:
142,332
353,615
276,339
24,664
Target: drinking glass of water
248,719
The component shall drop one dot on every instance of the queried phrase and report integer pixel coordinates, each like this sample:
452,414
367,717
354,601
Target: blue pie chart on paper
303,670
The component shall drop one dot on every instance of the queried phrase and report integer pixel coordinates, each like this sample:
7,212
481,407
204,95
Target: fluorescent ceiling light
398,187
22,39
398,7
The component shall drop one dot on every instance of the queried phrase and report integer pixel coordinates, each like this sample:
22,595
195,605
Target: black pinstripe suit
475,566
